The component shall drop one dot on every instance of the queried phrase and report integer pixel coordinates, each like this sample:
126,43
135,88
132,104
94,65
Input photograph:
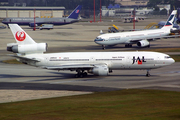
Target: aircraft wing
70,67
151,39
74,66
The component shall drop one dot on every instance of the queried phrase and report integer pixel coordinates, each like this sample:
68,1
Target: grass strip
11,61
124,104
176,57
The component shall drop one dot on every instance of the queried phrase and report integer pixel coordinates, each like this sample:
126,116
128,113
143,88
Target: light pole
100,11
94,10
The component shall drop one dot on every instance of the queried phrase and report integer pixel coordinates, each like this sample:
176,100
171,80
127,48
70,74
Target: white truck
46,26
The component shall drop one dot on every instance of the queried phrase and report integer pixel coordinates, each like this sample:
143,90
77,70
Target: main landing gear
80,73
103,47
128,45
148,74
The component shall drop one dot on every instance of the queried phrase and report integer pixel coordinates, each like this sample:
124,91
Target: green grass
12,61
176,57
125,104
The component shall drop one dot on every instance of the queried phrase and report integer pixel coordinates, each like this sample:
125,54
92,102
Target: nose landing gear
148,74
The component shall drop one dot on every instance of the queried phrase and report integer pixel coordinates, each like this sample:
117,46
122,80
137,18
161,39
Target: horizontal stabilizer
25,58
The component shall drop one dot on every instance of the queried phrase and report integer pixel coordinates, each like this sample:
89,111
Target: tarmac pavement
20,82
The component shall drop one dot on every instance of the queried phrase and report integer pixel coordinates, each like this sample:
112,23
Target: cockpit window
99,39
167,57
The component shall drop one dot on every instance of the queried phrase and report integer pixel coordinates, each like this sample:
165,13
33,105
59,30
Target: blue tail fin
75,13
171,20
178,16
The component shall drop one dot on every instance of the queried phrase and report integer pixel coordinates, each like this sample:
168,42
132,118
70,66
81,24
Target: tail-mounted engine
29,48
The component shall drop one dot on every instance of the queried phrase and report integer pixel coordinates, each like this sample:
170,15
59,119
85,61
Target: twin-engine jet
141,38
73,17
98,63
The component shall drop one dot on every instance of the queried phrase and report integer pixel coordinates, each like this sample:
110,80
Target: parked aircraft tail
178,15
20,35
170,22
25,44
75,13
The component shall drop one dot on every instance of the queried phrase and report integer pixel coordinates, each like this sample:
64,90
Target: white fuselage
130,37
113,60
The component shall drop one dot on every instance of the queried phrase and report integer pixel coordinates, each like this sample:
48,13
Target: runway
24,82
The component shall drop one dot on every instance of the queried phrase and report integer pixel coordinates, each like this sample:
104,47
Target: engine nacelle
143,43
174,30
100,70
32,25
30,48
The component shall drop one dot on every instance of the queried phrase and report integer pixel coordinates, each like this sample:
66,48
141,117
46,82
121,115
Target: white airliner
98,63
141,38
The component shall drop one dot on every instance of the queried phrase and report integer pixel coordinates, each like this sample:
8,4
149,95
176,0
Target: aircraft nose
170,61
98,40
4,20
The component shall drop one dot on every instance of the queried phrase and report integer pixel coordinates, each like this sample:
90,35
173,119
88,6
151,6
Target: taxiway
73,38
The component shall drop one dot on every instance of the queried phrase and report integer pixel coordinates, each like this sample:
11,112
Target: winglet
75,13
171,20
101,32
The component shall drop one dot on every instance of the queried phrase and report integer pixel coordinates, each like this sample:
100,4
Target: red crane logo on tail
20,35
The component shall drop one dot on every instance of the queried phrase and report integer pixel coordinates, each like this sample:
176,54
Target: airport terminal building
29,11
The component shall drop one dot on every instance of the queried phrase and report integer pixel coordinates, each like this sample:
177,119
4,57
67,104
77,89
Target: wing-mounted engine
143,43
27,48
175,29
100,70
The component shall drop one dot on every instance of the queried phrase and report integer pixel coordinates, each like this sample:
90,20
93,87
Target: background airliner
98,63
141,38
73,17
133,18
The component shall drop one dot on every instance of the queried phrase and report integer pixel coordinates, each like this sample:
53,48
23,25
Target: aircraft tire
103,47
81,75
148,75
76,75
128,45
85,74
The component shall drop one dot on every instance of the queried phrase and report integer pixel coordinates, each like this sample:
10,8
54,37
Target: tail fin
75,13
170,22
178,16
101,32
25,44
20,35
